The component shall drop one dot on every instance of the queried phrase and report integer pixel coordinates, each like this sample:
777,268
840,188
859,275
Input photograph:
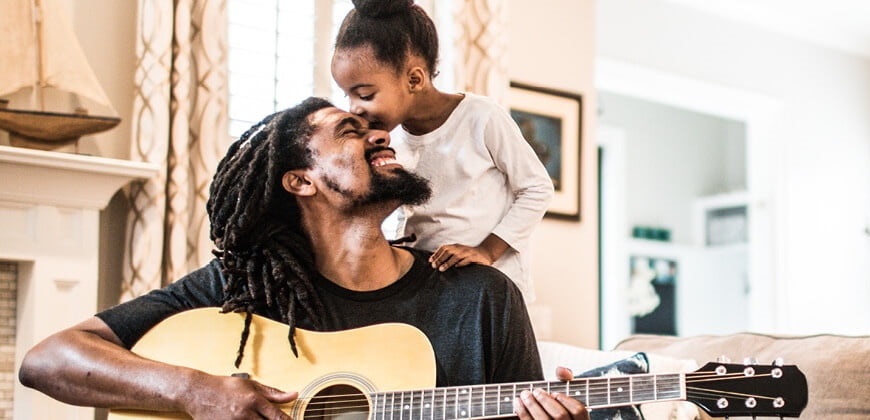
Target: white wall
673,157
824,186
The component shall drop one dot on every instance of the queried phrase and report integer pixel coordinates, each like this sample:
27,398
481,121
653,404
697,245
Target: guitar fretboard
484,401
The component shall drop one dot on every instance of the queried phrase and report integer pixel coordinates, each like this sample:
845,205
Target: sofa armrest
837,367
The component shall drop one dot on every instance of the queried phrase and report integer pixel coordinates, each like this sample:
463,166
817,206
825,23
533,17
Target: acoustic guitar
387,372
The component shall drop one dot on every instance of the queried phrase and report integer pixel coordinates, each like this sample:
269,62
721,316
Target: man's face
357,163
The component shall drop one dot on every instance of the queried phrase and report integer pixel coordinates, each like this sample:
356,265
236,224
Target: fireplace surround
50,206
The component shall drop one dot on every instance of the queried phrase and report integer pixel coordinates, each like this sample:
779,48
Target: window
279,53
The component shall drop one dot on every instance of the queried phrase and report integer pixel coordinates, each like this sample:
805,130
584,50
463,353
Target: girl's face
376,92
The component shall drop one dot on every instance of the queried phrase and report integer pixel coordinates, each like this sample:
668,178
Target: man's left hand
540,404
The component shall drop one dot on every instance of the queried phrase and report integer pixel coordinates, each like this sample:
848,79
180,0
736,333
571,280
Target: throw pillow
636,363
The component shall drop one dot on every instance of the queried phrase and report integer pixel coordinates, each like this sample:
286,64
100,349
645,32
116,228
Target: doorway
750,301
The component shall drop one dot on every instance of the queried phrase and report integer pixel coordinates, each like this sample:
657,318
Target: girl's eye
366,97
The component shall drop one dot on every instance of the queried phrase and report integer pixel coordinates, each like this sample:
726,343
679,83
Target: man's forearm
81,367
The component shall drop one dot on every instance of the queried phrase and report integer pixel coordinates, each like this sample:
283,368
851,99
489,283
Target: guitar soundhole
337,402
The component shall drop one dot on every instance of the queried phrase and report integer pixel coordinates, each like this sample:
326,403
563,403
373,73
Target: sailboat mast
38,88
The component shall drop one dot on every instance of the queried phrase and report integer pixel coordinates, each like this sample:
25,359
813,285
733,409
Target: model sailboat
40,51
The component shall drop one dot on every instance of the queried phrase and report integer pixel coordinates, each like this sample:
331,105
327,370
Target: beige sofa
837,368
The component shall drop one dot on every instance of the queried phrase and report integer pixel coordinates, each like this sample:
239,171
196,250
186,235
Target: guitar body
381,357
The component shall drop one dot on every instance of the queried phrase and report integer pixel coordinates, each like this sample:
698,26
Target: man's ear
416,79
296,182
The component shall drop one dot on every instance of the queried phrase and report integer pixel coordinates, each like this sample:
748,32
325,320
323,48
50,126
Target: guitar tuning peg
779,361
723,359
750,361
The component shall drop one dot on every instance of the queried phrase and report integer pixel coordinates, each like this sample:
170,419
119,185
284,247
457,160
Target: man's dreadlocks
255,224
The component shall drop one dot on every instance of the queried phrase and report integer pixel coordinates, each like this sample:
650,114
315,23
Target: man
296,207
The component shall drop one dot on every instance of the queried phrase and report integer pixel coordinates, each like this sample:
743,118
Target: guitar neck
496,400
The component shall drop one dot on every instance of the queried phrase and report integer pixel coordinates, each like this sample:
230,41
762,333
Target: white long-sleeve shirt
485,179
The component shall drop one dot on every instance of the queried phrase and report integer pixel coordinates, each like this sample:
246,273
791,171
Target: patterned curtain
180,122
480,48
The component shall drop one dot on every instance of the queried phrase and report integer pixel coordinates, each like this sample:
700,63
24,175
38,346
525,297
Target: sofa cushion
836,367
634,364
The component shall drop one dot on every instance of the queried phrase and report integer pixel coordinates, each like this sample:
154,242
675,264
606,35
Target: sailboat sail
18,49
40,50
66,67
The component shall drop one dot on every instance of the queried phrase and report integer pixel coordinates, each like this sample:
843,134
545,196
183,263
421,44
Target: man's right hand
227,397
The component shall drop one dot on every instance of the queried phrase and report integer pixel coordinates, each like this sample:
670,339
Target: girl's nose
356,108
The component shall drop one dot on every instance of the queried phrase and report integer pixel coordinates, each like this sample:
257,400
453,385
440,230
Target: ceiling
839,24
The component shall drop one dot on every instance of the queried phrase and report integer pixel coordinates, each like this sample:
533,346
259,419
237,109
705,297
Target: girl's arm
525,175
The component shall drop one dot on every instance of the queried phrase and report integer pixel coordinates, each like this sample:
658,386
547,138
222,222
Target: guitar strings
707,393
589,391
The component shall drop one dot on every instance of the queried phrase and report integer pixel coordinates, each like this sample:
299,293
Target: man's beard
400,184
406,187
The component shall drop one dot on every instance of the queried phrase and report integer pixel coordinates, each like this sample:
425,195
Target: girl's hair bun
381,8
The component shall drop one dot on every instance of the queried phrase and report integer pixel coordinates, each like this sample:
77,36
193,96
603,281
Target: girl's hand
458,255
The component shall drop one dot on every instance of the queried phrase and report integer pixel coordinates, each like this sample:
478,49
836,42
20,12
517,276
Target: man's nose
379,137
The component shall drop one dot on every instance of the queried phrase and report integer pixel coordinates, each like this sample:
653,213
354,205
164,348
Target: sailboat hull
51,129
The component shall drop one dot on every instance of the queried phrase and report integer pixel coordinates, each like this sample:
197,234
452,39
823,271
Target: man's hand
219,397
540,404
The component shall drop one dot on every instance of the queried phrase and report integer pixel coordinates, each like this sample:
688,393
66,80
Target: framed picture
550,121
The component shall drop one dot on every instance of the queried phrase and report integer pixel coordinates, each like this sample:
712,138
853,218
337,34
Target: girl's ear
296,182
416,79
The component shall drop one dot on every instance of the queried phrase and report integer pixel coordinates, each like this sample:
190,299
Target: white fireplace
49,224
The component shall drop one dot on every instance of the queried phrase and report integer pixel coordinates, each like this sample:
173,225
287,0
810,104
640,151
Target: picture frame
550,121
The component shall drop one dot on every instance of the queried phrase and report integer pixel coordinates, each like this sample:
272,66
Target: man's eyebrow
352,121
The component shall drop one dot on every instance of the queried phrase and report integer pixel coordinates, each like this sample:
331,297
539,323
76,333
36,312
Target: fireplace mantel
64,179
50,206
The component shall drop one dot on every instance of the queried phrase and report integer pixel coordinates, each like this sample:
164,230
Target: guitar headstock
726,389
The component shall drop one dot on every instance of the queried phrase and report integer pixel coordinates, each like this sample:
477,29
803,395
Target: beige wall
552,44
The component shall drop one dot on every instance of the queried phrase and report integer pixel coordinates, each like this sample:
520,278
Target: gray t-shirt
474,316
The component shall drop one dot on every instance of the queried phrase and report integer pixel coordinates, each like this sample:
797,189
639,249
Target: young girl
489,189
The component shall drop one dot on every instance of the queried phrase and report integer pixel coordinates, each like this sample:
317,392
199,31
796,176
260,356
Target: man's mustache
371,152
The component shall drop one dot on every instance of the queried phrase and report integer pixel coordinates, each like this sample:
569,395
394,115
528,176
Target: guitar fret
587,392
596,394
476,401
433,405
643,388
671,387
455,403
619,390
425,405
442,408
375,406
491,395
